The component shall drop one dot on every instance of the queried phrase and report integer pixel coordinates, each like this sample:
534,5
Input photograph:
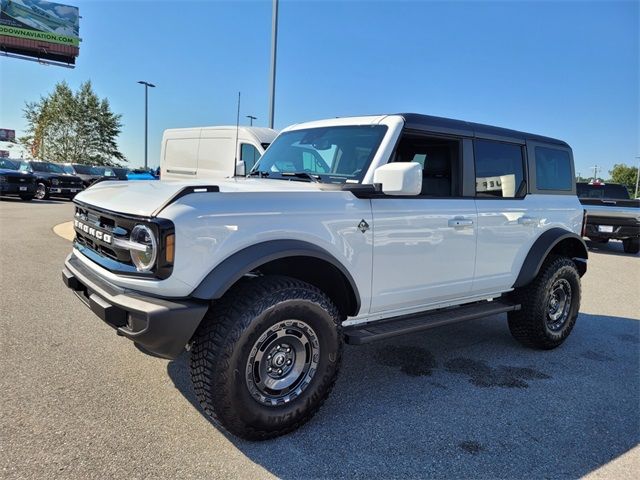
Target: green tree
621,173
76,127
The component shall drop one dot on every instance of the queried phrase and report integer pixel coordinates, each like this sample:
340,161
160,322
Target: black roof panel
441,124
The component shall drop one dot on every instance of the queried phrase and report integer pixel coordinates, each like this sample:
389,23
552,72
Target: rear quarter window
499,169
553,169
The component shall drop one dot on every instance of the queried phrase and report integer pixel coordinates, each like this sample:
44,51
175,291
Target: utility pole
274,48
595,169
251,119
146,118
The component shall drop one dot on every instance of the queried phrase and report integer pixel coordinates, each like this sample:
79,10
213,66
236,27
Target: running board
381,329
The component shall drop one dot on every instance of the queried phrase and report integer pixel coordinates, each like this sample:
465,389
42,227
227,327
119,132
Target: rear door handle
527,220
460,222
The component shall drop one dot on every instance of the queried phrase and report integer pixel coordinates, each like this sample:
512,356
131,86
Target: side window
499,169
249,155
24,167
439,160
553,169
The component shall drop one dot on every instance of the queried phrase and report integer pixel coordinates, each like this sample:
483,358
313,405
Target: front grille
69,183
106,254
113,225
86,241
21,180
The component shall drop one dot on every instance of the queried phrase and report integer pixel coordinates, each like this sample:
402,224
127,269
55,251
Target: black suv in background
15,182
87,173
120,173
51,180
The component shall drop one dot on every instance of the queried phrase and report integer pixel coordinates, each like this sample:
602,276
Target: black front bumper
67,192
17,188
160,326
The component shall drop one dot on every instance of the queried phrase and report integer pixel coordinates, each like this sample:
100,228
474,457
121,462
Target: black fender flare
541,249
234,267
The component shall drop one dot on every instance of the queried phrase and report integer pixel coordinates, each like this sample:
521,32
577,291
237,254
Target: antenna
235,161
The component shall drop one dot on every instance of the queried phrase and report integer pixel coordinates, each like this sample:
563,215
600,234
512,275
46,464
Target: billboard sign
7,135
37,28
40,20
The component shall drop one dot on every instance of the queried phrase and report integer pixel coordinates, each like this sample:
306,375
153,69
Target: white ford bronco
346,230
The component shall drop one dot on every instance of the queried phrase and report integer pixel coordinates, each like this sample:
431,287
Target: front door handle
460,222
527,220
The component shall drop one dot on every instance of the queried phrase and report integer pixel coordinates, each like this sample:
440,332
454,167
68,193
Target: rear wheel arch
293,258
555,241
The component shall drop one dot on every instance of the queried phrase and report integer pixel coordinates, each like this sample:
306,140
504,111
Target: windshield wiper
258,173
313,178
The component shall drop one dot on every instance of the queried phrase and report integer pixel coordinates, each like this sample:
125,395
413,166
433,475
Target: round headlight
144,260
55,181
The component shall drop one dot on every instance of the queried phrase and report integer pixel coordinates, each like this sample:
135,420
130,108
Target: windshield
8,164
610,190
327,154
46,167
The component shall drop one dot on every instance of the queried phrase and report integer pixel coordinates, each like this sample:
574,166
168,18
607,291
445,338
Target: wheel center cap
279,359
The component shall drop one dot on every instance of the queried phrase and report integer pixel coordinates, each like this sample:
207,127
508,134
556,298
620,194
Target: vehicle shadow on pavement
19,200
609,248
467,401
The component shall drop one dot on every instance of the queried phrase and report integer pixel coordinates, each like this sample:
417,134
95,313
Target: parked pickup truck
347,230
611,214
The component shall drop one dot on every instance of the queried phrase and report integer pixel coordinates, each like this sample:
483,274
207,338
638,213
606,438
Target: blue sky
565,69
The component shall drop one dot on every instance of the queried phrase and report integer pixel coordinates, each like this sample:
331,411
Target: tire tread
219,334
525,325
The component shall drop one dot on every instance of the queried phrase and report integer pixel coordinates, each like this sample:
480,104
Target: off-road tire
631,245
225,340
529,325
27,198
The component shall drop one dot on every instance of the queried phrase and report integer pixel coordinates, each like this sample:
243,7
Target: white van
206,152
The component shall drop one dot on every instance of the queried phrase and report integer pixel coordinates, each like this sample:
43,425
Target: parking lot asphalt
462,401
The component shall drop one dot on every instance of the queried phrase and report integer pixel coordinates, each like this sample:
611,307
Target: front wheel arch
294,258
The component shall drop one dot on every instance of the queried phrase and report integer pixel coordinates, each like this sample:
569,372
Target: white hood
147,197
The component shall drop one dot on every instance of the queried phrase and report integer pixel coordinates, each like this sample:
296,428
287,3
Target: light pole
274,48
146,118
637,176
251,119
